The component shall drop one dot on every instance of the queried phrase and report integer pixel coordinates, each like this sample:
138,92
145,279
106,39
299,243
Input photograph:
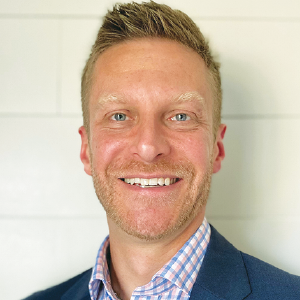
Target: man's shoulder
227,273
267,278
57,291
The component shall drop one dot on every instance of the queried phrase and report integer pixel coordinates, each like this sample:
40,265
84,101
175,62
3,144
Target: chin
148,233
154,225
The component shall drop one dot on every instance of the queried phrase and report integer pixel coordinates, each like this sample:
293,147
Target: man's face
151,150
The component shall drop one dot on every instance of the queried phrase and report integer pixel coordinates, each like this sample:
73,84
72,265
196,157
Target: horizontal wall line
261,117
253,217
99,17
51,217
39,115
50,16
248,19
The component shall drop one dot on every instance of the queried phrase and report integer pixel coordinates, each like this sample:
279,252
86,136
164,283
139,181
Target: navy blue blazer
226,273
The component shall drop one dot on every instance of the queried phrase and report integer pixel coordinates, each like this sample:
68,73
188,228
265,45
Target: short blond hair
149,19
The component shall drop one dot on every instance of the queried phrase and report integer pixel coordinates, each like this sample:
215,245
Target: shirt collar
183,268
100,271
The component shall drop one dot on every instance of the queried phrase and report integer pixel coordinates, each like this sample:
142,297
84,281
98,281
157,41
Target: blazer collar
223,274
79,291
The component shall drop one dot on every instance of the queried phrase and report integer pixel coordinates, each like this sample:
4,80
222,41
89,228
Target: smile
151,182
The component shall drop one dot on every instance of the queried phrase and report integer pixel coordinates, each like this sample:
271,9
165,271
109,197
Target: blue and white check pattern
173,281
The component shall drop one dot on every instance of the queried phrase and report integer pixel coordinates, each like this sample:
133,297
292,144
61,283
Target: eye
119,117
180,117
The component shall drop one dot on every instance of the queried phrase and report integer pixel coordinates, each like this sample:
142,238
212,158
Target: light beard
194,198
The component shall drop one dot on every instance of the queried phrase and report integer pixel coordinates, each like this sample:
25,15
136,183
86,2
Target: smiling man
151,140
150,146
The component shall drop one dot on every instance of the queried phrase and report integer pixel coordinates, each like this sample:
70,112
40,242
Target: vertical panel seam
59,67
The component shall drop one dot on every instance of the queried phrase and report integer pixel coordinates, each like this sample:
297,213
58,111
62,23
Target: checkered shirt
173,281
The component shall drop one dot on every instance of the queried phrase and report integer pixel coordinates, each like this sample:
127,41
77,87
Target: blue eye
119,117
180,117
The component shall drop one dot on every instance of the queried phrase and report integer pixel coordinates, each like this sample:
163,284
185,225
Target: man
152,137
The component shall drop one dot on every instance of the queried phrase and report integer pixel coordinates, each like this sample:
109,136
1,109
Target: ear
219,151
85,151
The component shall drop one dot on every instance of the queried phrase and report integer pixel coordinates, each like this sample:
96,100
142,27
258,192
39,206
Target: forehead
149,67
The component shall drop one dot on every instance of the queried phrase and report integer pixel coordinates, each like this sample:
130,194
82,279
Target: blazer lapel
222,274
80,290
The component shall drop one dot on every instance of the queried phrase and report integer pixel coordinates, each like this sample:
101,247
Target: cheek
196,149
105,149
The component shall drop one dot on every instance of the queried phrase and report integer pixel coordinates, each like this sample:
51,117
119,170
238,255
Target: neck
134,262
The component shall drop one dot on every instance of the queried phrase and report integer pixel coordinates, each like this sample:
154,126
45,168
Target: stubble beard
189,205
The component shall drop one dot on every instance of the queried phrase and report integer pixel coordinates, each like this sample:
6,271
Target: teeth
161,181
153,181
144,181
150,182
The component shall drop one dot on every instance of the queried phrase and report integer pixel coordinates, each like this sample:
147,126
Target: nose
150,142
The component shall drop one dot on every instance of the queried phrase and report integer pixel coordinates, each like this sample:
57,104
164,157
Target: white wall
51,223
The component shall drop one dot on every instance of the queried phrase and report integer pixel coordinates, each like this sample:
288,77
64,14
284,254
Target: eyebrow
182,98
189,96
107,99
